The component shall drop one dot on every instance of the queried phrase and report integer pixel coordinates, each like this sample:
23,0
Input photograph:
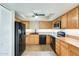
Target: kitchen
47,30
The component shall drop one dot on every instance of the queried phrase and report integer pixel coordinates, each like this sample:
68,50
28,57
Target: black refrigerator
19,38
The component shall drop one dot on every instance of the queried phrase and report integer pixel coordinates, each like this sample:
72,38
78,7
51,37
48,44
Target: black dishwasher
52,44
42,39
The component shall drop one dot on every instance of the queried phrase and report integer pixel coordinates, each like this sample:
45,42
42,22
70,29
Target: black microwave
57,25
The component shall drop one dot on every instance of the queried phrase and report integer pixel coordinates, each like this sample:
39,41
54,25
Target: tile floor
38,50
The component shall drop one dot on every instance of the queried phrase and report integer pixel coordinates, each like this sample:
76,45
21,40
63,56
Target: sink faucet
35,31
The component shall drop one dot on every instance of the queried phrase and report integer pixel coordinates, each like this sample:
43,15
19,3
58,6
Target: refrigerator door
16,39
19,38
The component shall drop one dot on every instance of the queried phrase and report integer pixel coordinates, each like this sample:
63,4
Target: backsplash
74,32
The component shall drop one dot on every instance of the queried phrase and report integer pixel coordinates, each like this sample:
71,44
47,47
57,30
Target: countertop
74,42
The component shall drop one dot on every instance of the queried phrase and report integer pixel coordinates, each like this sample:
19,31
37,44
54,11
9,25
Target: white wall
34,25
6,32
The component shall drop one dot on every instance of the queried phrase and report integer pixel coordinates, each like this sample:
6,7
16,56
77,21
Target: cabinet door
64,21
31,39
74,51
48,39
64,49
36,39
73,19
58,48
27,39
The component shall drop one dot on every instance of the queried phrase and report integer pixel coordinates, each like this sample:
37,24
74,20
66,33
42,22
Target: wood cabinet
64,49
26,24
56,23
53,22
58,49
64,21
73,19
48,39
36,39
69,20
45,24
74,51
23,22
32,39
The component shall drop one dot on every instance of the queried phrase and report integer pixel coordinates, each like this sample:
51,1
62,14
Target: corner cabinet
73,19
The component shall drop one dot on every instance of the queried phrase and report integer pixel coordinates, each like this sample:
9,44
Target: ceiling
25,10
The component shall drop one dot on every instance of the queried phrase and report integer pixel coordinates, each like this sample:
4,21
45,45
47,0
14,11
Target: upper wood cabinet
64,21
27,24
55,22
69,20
73,19
45,25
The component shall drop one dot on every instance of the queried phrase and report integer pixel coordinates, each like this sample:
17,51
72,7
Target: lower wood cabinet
48,37
34,39
31,39
66,49
58,49
74,51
